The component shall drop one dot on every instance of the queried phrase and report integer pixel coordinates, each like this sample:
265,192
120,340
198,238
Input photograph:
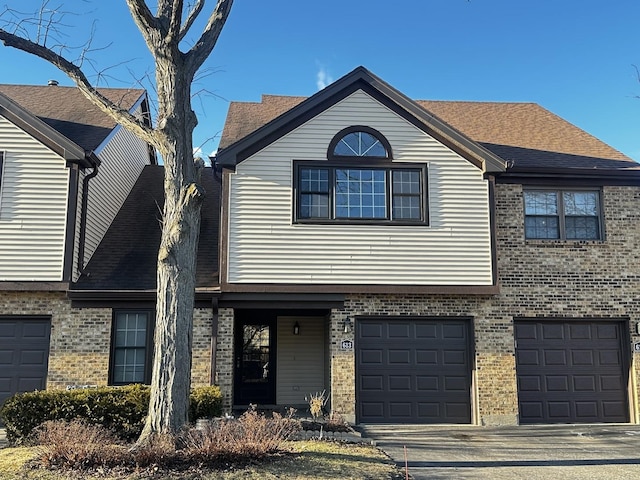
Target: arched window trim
359,128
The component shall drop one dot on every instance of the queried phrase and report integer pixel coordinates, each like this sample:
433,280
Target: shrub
205,402
252,436
119,409
77,445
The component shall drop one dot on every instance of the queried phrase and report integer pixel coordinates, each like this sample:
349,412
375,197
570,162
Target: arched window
359,141
360,183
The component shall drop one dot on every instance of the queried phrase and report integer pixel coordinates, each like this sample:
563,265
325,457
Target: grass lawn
310,460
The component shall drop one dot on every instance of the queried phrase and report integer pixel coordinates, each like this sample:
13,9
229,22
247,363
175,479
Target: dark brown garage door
24,354
413,370
571,372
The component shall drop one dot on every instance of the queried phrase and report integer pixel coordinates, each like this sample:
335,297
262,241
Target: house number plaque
347,345
636,346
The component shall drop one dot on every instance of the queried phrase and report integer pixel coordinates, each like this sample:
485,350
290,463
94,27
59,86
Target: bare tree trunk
171,375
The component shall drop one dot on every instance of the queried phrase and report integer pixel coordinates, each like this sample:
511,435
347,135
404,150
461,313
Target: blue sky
573,57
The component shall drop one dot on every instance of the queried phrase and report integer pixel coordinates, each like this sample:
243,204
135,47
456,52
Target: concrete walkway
3,438
525,452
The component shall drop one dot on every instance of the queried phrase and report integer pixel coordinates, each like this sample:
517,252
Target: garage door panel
579,332
552,332
24,354
605,332
426,376
399,330
427,357
372,383
529,383
584,383
400,382
371,330
554,357
528,357
557,383
426,331
590,387
454,357
371,357
427,383
456,331
402,357
610,357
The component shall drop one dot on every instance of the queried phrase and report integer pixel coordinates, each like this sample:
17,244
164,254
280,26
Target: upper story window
360,183
563,214
131,347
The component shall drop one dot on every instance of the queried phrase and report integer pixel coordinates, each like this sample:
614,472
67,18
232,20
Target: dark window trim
561,214
387,165
148,359
366,159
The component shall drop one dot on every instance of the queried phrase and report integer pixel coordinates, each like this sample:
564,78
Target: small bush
205,402
253,435
119,409
77,445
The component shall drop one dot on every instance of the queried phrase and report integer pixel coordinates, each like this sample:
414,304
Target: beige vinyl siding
123,157
32,208
266,247
300,359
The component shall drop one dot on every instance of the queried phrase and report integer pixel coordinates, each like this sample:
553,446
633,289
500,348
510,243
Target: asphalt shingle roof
524,134
68,111
126,257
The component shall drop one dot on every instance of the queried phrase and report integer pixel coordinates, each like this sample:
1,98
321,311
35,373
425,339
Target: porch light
347,325
296,328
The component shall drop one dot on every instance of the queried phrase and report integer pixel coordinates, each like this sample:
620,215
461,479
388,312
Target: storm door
255,375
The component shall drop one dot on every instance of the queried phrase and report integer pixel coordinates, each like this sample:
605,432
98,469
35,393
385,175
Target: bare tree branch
204,46
173,34
193,14
147,24
120,115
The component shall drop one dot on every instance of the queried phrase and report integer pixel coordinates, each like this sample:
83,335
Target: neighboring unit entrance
571,371
24,354
413,370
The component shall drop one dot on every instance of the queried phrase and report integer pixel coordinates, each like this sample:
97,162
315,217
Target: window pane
541,203
582,228
314,205
360,144
580,203
128,365
131,329
407,207
314,180
406,181
542,227
360,193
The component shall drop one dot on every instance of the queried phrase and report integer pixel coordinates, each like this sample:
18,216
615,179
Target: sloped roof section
68,111
236,150
126,258
525,136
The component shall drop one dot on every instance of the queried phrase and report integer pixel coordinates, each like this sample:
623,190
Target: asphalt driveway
525,452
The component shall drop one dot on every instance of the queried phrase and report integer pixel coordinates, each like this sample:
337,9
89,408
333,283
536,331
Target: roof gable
62,117
358,79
